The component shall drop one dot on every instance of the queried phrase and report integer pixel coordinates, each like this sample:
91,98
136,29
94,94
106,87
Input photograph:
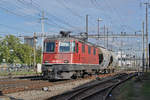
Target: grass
126,91
17,73
146,87
135,90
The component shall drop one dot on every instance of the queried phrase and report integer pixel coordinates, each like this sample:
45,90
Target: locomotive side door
76,54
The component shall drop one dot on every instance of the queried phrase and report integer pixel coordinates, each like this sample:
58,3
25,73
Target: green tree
10,46
13,51
24,53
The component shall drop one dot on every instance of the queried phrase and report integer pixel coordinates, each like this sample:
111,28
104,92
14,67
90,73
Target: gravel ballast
49,91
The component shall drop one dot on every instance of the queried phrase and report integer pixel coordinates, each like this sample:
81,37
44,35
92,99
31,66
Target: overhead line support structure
98,26
107,37
87,24
147,49
104,35
143,62
43,33
34,50
122,35
111,36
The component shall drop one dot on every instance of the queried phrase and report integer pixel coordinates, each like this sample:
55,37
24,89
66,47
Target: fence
7,69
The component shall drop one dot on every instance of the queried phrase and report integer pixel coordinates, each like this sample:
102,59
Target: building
29,41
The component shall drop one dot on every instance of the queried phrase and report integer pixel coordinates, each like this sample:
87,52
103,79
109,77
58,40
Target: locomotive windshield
49,46
64,47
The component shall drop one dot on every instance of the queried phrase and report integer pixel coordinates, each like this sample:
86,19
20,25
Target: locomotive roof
73,38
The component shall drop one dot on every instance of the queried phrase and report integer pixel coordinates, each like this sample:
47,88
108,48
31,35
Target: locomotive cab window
64,47
49,46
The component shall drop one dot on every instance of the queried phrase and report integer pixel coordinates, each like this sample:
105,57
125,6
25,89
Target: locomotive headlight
46,61
66,61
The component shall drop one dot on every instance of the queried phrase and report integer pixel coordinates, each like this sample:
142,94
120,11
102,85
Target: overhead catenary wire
94,5
12,27
6,2
98,5
55,20
7,10
118,15
55,25
30,4
75,13
100,8
16,14
64,4
114,11
38,7
15,10
58,20
23,17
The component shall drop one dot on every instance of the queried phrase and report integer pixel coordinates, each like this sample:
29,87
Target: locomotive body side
66,58
85,54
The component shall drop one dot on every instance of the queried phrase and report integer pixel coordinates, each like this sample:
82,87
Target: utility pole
104,35
87,24
98,28
121,54
143,62
98,32
107,37
34,50
147,49
43,33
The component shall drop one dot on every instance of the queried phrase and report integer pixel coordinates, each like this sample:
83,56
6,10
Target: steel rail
71,94
109,88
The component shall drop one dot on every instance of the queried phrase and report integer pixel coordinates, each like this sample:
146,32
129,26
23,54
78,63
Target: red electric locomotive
67,57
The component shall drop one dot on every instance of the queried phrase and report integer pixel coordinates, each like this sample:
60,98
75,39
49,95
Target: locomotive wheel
85,75
74,76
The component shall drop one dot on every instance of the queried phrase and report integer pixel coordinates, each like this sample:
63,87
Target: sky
23,16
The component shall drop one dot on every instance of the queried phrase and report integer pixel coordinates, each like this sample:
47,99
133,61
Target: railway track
23,84
98,90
